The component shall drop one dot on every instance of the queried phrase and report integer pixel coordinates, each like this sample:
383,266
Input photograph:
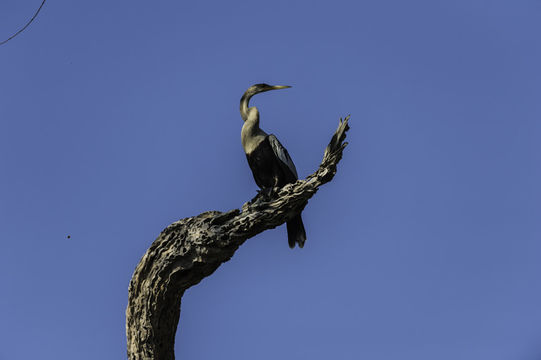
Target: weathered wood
192,248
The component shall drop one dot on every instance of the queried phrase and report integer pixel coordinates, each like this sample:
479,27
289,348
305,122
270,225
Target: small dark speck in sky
69,236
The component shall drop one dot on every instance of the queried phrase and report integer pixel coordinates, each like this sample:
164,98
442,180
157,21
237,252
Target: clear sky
120,117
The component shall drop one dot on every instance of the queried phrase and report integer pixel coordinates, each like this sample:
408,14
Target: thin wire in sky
24,27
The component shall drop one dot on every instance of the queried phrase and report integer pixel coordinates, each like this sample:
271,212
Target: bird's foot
268,193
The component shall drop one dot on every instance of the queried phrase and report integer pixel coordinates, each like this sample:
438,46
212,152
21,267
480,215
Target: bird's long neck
244,105
251,134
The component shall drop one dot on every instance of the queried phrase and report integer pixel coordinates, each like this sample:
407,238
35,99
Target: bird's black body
269,161
268,170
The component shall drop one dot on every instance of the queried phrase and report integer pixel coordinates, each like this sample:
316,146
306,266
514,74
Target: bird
269,161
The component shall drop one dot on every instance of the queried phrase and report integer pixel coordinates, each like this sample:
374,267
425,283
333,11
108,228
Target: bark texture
192,248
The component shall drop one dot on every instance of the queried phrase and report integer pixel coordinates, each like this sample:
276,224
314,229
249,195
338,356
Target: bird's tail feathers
295,232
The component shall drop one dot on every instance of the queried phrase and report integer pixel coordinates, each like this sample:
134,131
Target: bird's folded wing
282,154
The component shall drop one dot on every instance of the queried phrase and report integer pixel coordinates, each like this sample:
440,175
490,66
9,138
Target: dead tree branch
192,248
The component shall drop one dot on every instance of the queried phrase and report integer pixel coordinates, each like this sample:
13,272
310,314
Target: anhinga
270,162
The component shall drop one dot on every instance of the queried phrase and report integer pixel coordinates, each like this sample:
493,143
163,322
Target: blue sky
118,118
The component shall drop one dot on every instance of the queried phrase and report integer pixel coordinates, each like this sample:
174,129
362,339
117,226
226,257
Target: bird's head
259,88
252,90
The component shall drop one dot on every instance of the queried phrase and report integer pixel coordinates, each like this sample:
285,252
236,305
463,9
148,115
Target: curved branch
192,248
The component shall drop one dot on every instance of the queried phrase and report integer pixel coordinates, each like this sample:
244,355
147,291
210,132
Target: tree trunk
192,248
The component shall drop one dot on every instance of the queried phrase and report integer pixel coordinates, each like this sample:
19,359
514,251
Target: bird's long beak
278,87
